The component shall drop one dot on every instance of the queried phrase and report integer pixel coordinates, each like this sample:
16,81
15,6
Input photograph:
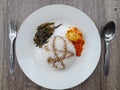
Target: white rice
59,45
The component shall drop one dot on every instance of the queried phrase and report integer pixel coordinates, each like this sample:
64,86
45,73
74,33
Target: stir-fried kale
44,31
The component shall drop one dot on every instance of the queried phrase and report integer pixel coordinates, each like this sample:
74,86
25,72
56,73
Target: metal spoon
107,34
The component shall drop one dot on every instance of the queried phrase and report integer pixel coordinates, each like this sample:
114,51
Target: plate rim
65,6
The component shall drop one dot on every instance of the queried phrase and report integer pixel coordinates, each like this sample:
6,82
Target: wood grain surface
100,11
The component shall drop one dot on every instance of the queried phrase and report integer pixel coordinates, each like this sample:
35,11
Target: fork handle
11,58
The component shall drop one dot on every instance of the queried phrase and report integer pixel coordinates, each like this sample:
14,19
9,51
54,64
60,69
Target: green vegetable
44,31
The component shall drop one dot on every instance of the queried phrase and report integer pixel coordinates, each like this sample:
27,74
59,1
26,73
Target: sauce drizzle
57,58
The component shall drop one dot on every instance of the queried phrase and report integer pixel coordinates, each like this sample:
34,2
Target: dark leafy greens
44,31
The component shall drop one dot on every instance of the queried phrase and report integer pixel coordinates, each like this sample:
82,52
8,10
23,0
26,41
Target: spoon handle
106,60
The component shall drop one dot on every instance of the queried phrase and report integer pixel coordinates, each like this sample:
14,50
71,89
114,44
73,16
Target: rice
59,52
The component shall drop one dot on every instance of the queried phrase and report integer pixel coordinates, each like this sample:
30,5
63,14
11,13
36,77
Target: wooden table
100,11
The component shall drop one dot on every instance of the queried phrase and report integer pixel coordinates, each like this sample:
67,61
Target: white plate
29,56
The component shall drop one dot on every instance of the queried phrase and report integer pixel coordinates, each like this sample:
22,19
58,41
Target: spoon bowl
108,31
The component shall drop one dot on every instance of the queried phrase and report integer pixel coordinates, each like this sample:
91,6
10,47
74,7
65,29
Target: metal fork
12,36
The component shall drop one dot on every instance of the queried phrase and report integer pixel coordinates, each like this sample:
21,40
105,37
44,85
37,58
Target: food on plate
76,37
44,31
59,52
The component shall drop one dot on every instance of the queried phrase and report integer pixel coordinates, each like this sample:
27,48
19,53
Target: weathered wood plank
100,11
1,40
